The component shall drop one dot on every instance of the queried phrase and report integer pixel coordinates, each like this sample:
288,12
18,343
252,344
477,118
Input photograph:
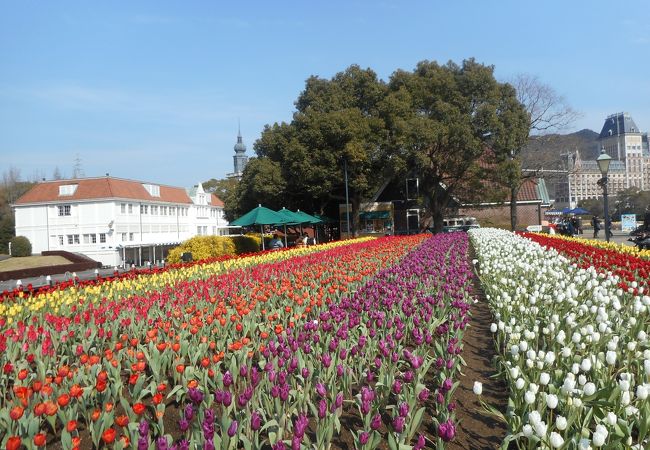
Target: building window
67,189
60,239
154,210
70,240
64,210
130,236
93,238
123,237
102,238
130,208
86,239
152,189
123,208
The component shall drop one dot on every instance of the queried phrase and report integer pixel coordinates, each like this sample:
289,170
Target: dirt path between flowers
477,428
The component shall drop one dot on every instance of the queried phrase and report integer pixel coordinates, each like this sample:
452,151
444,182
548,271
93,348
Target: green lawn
29,262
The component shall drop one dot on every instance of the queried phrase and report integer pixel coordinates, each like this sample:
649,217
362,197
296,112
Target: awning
371,215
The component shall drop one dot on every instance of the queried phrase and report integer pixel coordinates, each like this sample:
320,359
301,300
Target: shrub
204,247
20,246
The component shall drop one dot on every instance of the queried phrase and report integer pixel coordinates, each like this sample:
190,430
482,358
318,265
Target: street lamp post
603,164
347,200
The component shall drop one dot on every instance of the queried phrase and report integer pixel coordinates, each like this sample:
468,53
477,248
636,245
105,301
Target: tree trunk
355,202
514,191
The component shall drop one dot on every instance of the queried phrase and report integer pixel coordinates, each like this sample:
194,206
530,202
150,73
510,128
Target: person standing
595,223
275,243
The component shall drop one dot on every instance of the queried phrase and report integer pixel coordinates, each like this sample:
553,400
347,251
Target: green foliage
262,183
20,246
204,247
7,231
226,190
443,121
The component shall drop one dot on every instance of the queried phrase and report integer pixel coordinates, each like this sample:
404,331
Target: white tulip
584,444
610,357
478,387
529,398
556,440
625,398
493,328
527,430
589,389
551,401
520,383
560,423
585,365
611,418
642,392
566,352
598,439
540,429
544,378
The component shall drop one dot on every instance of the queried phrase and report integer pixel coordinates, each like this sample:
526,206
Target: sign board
628,222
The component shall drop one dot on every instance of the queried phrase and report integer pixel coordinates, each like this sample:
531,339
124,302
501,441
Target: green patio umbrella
260,216
310,220
292,219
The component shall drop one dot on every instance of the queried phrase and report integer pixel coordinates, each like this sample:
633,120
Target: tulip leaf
392,443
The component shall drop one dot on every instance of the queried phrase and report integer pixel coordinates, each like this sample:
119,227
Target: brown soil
478,429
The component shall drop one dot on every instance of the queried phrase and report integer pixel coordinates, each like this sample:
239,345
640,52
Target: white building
116,221
630,166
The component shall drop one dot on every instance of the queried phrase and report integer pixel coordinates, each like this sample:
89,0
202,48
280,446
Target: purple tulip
397,387
195,395
446,385
183,425
326,359
403,409
227,399
301,426
423,395
408,376
243,371
321,390
375,423
322,409
227,379
232,429
143,428
275,391
305,373
338,401
143,443
398,424
339,370
256,421
189,411
279,446
208,445
420,444
183,444
161,443
447,431
364,438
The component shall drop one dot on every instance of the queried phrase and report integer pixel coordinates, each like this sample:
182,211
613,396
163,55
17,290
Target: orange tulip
13,443
108,436
16,412
63,400
39,440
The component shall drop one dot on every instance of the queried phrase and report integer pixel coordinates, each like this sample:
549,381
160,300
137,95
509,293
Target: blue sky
153,90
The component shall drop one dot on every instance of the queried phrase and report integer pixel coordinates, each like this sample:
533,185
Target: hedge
203,247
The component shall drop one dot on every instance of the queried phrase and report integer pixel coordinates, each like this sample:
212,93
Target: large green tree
261,183
451,124
337,124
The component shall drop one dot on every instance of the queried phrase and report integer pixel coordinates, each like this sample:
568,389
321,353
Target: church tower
239,159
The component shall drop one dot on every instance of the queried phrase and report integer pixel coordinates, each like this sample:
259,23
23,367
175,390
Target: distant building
630,166
239,159
116,221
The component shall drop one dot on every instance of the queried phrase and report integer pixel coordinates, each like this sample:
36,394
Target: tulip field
571,327
352,344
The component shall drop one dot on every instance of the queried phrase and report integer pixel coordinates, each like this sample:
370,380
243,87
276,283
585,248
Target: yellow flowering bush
205,247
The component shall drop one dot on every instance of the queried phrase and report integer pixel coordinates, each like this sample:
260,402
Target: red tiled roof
101,188
528,191
215,201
